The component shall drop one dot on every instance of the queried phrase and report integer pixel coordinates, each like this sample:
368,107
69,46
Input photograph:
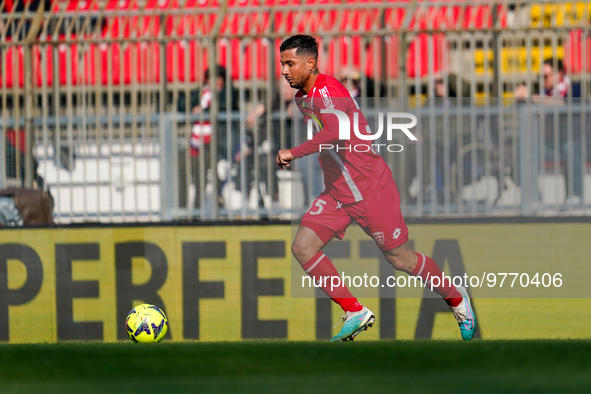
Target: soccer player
358,186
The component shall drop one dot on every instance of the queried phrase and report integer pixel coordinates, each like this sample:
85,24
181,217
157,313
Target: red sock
320,268
426,269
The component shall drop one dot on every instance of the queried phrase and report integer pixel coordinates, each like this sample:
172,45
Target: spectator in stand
555,84
351,79
200,102
556,87
256,119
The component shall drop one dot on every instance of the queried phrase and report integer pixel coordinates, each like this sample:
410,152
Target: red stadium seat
193,50
577,51
68,60
419,56
254,56
176,52
8,76
247,23
37,71
119,63
13,72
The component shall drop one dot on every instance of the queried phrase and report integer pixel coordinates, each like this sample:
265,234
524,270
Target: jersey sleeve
326,125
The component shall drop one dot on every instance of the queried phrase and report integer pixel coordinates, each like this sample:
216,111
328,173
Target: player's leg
307,249
321,224
383,220
403,258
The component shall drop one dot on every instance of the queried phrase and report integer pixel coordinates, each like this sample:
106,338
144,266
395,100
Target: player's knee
302,251
406,262
298,249
402,260
399,264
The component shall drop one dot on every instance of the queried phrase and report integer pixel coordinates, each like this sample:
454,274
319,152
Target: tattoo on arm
404,247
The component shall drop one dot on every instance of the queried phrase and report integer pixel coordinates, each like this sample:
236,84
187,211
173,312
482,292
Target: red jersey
350,172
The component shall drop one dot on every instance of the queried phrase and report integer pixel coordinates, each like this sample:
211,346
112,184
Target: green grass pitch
298,367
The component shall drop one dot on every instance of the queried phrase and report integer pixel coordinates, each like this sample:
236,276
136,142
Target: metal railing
98,95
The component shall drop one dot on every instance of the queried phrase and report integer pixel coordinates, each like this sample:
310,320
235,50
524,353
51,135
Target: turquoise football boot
464,314
354,323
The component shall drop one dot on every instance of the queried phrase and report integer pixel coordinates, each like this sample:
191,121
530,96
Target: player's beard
295,84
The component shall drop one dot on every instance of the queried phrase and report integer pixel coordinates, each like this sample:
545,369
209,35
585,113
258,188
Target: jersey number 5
320,204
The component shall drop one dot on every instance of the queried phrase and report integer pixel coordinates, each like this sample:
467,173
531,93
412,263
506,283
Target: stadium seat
576,47
357,20
176,67
14,73
7,76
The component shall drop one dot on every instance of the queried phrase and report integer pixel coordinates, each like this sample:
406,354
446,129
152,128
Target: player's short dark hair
304,45
556,64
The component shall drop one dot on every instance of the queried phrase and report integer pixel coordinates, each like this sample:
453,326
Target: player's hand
283,158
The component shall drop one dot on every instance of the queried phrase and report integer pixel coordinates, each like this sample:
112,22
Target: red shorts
378,215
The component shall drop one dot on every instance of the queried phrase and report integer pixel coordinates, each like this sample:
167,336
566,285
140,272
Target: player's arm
328,124
325,137
328,135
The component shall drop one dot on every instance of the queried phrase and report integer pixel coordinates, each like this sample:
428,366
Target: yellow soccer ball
146,324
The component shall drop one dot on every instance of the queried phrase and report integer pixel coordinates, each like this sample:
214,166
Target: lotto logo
396,233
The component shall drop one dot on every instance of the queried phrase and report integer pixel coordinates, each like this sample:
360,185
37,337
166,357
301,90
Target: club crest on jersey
379,237
326,98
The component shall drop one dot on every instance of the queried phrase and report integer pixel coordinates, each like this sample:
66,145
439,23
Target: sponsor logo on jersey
326,98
